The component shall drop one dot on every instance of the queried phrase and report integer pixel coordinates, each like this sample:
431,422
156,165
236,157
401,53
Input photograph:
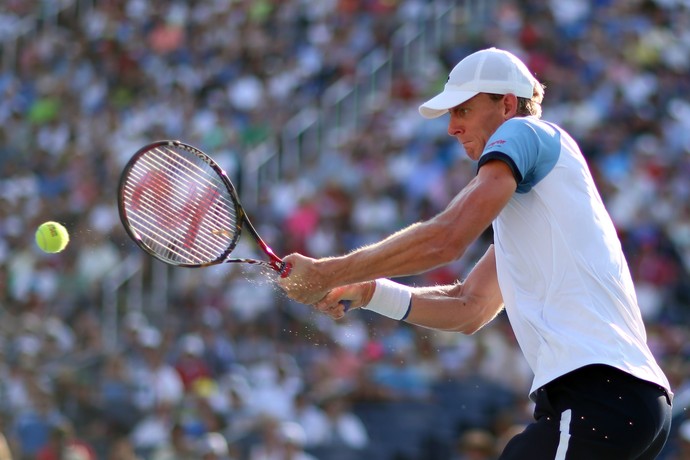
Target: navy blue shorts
596,412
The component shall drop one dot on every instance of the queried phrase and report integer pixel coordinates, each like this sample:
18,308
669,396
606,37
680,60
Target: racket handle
285,272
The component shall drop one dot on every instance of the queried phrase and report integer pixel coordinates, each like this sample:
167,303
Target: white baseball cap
491,71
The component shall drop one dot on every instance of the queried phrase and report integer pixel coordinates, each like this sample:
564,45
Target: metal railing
344,103
121,288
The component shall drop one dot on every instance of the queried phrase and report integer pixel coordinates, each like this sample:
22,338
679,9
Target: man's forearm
415,249
430,244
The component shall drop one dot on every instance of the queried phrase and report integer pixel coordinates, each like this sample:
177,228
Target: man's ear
510,106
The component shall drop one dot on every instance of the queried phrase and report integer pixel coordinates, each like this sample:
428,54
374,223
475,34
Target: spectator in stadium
475,444
343,427
556,265
281,440
178,446
214,446
63,444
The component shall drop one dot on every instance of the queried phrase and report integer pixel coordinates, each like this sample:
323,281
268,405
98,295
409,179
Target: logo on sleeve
495,143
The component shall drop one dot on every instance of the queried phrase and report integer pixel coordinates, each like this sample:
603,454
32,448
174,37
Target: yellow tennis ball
51,237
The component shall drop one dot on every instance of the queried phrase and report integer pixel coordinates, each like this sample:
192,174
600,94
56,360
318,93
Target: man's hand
305,283
356,296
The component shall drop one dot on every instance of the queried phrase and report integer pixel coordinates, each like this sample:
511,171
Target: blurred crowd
228,368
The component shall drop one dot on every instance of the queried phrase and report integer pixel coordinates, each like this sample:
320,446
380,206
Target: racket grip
346,304
285,270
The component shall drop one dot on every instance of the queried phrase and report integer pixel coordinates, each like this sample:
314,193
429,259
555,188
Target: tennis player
556,265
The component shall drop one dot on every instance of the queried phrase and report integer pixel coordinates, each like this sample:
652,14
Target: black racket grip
346,304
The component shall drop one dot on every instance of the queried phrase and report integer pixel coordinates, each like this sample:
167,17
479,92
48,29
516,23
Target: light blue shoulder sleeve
530,147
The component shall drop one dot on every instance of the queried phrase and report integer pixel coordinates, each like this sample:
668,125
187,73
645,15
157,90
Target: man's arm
462,307
415,249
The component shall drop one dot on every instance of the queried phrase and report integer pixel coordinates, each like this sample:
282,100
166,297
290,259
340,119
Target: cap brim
438,105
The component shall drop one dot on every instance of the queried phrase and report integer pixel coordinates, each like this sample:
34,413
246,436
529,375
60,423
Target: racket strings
189,217
167,229
226,224
182,179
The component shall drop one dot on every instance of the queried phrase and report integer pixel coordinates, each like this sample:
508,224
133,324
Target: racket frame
242,221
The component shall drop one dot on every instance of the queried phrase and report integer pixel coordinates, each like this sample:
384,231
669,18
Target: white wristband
390,299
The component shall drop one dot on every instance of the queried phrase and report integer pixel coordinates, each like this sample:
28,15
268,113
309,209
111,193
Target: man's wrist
330,268
390,299
368,292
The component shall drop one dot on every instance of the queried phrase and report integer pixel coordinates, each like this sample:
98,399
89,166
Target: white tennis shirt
564,279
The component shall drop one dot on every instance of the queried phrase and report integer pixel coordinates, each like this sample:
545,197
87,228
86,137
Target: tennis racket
179,206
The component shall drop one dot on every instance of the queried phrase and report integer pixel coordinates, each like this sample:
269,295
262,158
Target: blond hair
526,106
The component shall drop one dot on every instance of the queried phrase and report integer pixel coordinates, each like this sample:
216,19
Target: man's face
475,120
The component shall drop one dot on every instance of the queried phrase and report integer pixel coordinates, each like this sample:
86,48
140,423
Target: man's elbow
469,328
466,325
483,314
